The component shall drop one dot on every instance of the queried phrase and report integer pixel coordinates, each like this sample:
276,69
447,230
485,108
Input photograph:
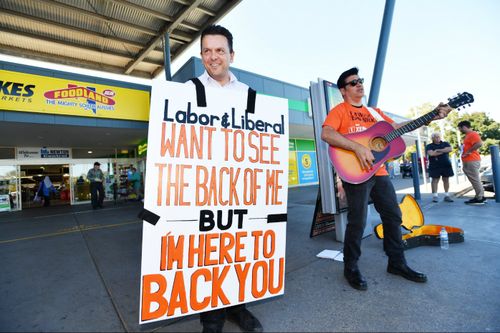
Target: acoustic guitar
384,141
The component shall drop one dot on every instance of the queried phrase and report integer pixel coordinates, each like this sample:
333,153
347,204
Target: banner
217,178
30,153
43,94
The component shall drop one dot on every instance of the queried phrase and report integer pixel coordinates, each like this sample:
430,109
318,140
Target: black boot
245,319
355,279
406,272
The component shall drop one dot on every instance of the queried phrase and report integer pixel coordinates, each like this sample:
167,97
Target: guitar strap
375,114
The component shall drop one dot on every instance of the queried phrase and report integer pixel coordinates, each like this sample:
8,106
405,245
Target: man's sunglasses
353,83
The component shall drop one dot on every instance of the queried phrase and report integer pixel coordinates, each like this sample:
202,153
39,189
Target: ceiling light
90,152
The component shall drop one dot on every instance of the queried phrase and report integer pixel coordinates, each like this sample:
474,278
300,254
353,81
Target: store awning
116,36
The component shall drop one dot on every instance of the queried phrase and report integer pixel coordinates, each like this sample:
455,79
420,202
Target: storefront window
124,188
9,193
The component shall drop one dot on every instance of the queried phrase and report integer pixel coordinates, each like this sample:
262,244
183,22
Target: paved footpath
74,269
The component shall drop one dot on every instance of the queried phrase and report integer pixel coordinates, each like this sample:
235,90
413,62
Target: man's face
216,56
462,129
353,92
436,138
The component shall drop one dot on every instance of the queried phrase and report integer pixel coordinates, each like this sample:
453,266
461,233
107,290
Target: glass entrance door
80,184
32,176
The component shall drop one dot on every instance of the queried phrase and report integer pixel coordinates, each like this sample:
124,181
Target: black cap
97,163
341,81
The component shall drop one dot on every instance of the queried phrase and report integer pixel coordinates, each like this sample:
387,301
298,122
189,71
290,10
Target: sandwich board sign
215,201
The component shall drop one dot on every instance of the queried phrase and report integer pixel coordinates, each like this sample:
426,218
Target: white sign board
30,153
217,177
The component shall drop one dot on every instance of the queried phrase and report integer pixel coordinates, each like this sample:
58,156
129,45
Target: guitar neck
411,126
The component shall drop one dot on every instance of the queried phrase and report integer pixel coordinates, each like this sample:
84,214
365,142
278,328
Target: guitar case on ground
420,234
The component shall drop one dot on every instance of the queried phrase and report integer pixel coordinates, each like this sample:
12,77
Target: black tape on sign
148,216
274,218
201,98
252,95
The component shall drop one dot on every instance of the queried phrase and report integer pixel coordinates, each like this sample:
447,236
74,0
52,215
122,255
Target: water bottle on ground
443,237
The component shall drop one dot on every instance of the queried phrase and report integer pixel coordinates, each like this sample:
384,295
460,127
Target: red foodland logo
108,92
74,91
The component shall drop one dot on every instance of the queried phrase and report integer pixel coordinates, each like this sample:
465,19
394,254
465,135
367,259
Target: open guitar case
420,234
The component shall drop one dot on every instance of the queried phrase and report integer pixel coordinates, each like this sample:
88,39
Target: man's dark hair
341,81
464,123
218,30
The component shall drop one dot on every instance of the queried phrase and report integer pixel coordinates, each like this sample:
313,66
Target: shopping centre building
58,124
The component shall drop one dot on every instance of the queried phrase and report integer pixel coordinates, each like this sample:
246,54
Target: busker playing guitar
352,116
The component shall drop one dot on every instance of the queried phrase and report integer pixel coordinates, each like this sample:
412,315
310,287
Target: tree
488,128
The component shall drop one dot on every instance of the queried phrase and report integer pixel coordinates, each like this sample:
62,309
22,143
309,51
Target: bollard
495,167
416,178
454,165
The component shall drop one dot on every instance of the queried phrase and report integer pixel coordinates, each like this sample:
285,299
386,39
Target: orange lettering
256,234
217,292
274,148
182,142
159,188
224,256
196,250
241,134
239,247
195,305
178,297
255,292
268,243
157,297
242,277
209,249
175,252
252,145
275,289
201,197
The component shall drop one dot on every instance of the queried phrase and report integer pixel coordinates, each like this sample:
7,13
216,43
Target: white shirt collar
232,84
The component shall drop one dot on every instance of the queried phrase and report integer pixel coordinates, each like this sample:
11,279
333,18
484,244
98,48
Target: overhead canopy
116,36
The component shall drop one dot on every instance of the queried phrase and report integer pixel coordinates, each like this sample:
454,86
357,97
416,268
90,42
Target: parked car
487,179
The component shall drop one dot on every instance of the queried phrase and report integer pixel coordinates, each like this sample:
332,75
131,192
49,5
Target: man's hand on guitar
365,156
443,110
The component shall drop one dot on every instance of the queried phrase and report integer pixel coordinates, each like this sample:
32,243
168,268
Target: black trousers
217,317
383,195
96,194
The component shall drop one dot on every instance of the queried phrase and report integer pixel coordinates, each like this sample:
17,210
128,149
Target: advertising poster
4,203
217,183
308,171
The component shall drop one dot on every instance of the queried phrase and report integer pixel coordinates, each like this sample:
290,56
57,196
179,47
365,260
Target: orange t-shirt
345,119
471,138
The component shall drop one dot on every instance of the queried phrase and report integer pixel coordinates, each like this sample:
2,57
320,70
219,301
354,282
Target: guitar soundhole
378,144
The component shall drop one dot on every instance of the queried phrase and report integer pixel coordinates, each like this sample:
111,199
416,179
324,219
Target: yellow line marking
69,231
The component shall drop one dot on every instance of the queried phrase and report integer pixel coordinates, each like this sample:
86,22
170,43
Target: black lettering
16,89
4,86
207,222
28,90
165,112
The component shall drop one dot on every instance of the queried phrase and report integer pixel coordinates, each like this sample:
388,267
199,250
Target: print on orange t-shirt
470,139
345,119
